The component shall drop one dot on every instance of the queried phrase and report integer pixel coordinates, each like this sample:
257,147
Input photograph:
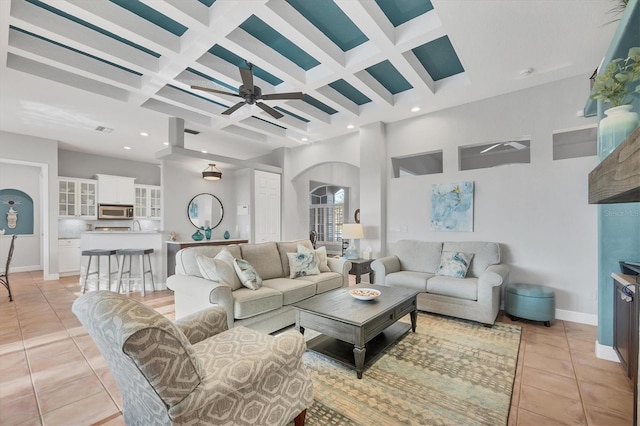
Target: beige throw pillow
216,270
321,259
226,257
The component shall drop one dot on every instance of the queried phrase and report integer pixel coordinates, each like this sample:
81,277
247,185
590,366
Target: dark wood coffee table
355,331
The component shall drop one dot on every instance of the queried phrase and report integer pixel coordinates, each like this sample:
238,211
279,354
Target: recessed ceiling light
304,139
350,126
127,147
166,143
415,109
144,134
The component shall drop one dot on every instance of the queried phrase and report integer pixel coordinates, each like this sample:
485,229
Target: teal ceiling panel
207,3
236,60
439,58
268,122
349,92
332,21
197,96
215,80
296,116
75,50
152,15
401,11
267,35
93,27
316,103
389,77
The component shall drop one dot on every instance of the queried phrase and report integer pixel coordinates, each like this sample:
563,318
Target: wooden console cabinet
174,246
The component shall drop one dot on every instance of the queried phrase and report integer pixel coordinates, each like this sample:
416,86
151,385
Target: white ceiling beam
176,111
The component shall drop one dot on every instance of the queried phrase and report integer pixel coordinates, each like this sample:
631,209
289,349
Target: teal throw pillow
302,263
248,275
454,264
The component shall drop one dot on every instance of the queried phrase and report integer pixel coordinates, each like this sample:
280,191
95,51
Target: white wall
537,211
42,153
27,254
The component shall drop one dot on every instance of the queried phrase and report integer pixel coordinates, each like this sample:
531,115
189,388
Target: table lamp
352,231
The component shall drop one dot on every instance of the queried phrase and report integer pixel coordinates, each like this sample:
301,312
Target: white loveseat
266,309
475,297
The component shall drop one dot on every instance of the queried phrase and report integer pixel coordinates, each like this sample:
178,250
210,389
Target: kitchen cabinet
147,203
115,189
625,323
77,198
69,256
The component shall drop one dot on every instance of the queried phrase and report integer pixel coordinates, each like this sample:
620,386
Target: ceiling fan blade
490,148
233,108
247,79
266,108
289,95
516,145
206,89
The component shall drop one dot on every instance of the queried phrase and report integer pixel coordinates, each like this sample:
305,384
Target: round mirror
205,211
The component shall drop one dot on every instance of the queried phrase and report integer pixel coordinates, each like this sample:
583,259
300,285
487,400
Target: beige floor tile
601,396
590,359
558,340
549,351
69,393
83,412
60,375
16,387
579,345
598,416
527,418
18,410
612,380
13,365
555,407
544,363
554,383
45,338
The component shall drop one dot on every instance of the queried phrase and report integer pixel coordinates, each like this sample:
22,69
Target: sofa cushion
265,258
419,256
303,263
285,247
247,274
460,288
408,279
454,264
217,270
485,254
248,303
325,281
321,257
186,263
292,290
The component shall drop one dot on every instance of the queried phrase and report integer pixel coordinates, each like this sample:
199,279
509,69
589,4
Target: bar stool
129,253
98,253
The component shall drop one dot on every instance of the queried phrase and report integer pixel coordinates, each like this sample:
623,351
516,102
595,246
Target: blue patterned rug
450,372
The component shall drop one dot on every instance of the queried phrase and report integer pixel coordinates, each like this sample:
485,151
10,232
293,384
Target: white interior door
267,206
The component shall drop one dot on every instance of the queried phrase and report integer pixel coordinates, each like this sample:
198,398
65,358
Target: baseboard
579,317
606,352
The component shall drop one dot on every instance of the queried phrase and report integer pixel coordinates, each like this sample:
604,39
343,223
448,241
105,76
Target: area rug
450,372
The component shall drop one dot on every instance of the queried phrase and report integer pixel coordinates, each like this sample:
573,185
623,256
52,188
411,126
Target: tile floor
51,372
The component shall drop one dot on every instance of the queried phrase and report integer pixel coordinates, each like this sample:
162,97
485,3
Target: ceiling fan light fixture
211,173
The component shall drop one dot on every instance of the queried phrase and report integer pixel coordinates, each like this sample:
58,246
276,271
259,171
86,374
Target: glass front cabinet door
77,198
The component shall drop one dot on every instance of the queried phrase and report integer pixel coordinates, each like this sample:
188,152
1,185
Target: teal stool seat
530,301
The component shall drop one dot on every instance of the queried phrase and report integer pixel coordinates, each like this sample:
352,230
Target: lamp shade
352,231
211,173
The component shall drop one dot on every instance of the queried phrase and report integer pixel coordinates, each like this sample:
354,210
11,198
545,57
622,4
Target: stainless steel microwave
115,211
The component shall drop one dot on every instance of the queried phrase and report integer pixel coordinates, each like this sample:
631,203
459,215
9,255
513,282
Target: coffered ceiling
95,74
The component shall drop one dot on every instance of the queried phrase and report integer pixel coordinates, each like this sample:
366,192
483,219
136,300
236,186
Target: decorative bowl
365,293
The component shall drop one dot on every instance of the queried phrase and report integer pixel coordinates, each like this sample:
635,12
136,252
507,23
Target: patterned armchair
196,371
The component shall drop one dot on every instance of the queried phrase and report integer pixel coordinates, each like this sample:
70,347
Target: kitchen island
126,240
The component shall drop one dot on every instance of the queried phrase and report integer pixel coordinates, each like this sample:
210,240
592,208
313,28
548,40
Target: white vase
619,123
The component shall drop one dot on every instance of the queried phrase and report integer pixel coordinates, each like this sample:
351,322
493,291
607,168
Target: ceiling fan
252,94
513,144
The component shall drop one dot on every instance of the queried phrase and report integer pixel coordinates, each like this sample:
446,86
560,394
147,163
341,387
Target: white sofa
266,309
475,297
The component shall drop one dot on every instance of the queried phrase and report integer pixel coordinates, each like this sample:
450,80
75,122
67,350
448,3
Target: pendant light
211,173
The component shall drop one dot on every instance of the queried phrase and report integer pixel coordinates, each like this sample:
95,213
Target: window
514,151
326,214
575,143
418,164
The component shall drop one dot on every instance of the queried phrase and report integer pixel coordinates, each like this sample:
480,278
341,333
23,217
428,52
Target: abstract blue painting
452,207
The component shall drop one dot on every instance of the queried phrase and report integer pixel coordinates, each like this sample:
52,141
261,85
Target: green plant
615,83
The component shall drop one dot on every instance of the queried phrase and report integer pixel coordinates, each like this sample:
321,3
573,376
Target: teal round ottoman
530,301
